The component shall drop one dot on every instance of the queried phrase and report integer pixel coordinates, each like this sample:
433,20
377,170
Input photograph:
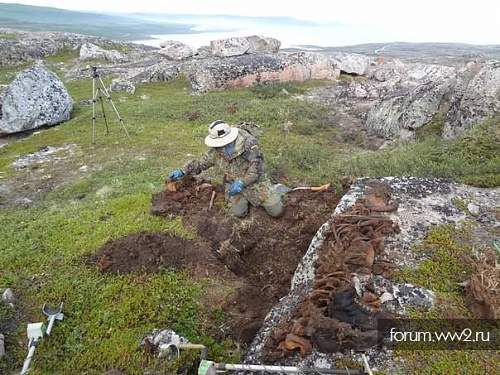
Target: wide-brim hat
220,134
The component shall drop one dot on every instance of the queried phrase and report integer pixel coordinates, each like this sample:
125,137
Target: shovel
52,315
283,189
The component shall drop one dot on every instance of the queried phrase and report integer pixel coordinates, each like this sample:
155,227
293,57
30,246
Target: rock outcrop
174,50
246,70
89,51
406,110
237,46
395,99
352,63
35,98
475,97
29,46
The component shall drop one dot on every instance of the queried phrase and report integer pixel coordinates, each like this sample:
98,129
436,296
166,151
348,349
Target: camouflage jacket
246,164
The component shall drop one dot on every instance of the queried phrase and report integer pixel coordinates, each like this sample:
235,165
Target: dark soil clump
150,252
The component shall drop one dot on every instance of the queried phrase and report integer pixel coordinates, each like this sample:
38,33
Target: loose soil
151,252
256,255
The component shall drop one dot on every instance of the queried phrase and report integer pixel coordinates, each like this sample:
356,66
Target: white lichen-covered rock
423,204
262,44
237,46
246,70
476,97
412,94
398,116
175,50
89,51
122,85
35,98
352,63
230,46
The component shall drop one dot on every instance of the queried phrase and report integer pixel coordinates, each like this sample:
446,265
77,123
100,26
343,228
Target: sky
475,21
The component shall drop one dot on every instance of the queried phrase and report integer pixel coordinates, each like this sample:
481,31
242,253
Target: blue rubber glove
236,187
229,149
175,175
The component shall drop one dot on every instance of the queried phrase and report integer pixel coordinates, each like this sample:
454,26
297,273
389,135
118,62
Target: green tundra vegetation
45,248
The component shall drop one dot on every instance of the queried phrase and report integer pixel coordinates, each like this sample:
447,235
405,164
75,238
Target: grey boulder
89,51
352,63
476,97
230,46
175,50
262,44
237,46
122,85
35,98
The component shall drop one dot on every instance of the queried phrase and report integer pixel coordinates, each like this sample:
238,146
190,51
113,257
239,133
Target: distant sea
291,33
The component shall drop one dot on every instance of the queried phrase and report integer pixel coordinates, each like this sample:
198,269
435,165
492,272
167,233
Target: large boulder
89,51
262,44
35,98
246,70
405,111
174,50
352,63
476,97
410,96
237,46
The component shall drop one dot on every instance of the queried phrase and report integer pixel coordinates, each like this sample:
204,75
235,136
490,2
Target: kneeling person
236,152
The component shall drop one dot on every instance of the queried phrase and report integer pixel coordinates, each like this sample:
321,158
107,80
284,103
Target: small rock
386,296
122,85
83,168
2,345
473,209
104,191
23,202
85,102
8,296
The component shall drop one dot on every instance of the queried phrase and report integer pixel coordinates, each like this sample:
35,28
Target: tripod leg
103,111
93,109
108,97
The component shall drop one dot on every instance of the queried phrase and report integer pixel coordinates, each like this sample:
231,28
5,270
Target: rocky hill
388,97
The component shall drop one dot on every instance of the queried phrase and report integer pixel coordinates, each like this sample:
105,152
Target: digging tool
283,189
52,315
36,331
212,368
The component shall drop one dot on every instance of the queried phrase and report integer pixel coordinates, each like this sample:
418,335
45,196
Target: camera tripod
98,91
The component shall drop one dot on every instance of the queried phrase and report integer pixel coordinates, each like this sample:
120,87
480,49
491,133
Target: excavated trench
256,256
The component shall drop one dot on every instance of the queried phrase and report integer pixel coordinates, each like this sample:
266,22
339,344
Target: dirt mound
149,252
263,252
333,316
